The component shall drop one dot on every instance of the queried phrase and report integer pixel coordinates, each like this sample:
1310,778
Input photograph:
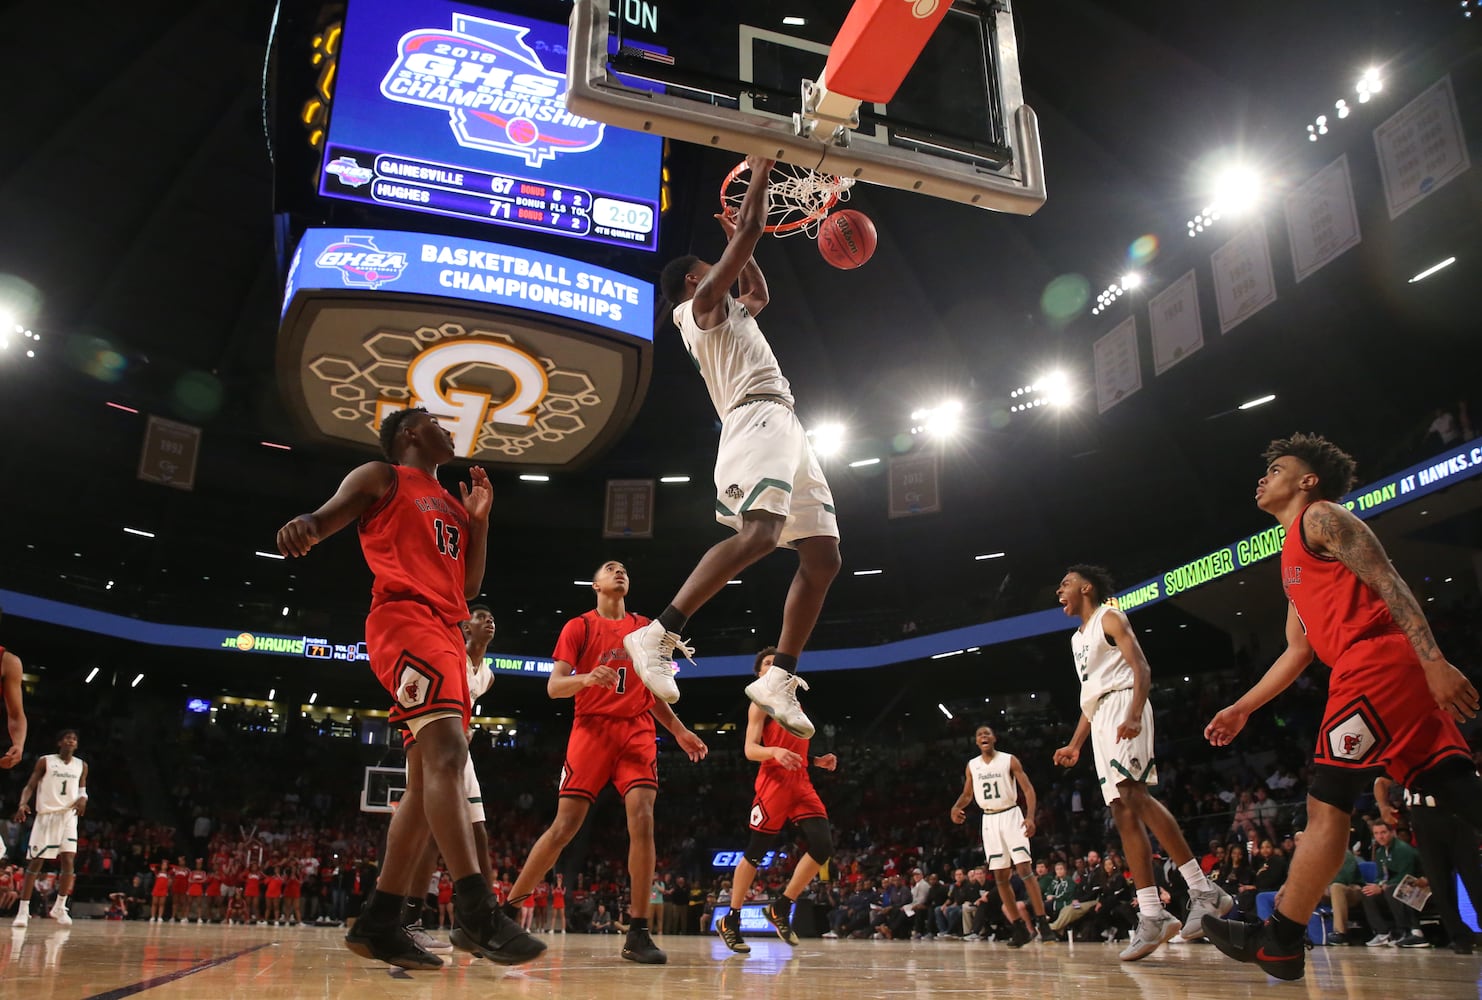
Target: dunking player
769,486
478,632
1115,679
15,709
59,783
995,779
612,741
1393,699
427,552
784,794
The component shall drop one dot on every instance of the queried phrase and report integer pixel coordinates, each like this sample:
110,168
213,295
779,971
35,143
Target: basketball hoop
800,198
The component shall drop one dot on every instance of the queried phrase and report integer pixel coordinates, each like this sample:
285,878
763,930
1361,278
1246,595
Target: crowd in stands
246,823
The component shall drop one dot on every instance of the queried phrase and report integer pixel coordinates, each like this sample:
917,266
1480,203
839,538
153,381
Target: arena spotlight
674,479
944,711
828,439
137,679
1237,189
1251,404
1369,84
1432,270
313,697
90,675
532,478
940,421
272,693
1131,280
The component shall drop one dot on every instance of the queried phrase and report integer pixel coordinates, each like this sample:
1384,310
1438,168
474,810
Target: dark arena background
1121,247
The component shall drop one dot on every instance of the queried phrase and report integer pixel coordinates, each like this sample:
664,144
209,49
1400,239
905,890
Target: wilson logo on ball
846,239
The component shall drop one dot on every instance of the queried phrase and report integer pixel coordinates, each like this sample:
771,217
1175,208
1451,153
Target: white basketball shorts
473,793
1129,759
765,463
53,834
1004,843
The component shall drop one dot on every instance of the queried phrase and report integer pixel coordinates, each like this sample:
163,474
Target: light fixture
90,675
108,585
269,555
732,583
868,572
120,406
532,478
313,697
861,463
274,444
988,555
944,711
137,679
1131,280
582,583
1251,404
674,479
272,693
794,21
285,611
828,439
940,421
943,656
1432,270
140,532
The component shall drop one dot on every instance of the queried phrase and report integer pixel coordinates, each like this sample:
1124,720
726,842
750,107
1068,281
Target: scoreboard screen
460,111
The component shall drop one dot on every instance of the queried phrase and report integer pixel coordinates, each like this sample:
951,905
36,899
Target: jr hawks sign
528,359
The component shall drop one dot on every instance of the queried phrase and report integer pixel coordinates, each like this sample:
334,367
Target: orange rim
788,206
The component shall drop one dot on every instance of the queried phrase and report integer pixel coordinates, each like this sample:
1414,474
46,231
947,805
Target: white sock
1148,902
1194,876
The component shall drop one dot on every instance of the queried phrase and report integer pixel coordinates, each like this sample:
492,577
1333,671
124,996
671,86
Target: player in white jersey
478,632
995,779
59,784
1115,679
769,486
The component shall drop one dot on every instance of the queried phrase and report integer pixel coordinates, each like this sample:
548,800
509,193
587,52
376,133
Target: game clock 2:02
630,217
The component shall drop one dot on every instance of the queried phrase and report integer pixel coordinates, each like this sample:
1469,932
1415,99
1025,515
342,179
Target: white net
800,198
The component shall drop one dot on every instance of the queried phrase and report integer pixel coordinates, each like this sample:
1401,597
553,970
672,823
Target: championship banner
1321,218
629,511
169,453
1421,148
1243,284
1118,367
915,486
1177,329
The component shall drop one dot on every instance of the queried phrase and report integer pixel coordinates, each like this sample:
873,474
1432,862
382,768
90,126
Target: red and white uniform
196,885
612,735
414,539
783,795
1380,712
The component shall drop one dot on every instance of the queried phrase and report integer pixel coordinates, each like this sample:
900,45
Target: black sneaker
1256,944
778,918
639,947
493,935
1336,940
391,945
1042,924
1021,935
729,929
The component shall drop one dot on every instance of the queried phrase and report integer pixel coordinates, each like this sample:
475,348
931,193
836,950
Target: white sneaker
831,936
426,941
1151,932
776,692
1380,941
60,915
1214,902
22,918
651,650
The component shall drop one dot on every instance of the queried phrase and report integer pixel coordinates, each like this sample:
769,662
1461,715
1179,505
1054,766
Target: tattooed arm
1336,532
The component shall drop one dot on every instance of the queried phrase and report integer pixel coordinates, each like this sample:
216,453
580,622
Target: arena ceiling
136,199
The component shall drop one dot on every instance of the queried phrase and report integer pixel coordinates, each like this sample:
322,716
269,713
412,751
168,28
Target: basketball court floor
98,959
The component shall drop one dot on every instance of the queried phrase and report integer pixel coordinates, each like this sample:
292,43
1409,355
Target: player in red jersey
1393,701
15,709
784,794
612,741
427,550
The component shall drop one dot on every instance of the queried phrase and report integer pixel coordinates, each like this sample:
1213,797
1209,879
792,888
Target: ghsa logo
497,94
349,171
361,263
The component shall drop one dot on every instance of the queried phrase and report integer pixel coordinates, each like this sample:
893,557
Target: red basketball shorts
783,796
610,748
419,660
1381,714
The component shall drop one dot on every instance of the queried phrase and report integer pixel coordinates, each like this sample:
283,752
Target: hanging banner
1243,285
1421,147
1118,368
914,485
1321,219
629,512
1173,315
169,453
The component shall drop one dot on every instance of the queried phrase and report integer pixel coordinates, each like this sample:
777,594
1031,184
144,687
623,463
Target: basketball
846,239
